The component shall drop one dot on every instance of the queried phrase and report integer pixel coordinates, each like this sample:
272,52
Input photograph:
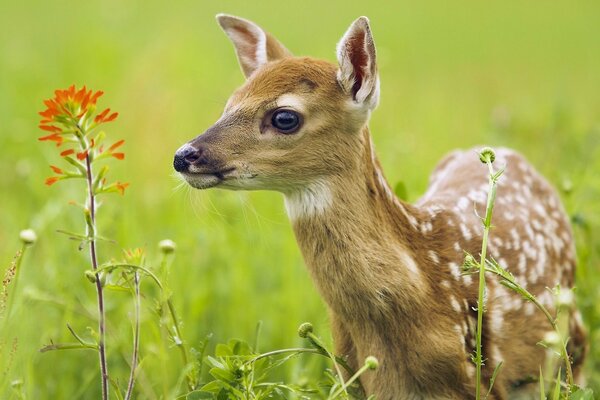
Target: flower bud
167,246
28,236
552,339
371,363
564,298
305,329
487,154
91,276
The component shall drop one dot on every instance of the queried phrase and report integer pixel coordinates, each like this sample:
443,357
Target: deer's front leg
344,345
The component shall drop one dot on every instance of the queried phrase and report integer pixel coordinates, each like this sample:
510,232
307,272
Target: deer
389,271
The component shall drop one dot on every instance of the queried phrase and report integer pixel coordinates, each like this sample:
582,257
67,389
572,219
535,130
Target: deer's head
294,121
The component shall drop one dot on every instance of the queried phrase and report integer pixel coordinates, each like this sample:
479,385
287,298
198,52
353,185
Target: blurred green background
453,74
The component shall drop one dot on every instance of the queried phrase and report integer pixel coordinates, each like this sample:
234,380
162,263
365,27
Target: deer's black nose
186,155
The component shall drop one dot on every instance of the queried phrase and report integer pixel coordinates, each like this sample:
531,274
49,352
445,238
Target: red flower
67,152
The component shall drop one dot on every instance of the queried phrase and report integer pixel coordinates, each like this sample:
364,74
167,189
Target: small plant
240,372
8,291
73,123
556,343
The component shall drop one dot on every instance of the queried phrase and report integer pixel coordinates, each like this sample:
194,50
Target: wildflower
66,105
71,117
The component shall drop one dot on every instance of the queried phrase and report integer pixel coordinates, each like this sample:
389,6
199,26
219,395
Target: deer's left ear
254,47
357,73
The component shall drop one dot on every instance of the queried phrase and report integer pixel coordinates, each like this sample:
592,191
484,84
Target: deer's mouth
206,179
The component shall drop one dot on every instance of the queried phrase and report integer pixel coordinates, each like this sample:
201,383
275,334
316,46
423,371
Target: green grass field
453,75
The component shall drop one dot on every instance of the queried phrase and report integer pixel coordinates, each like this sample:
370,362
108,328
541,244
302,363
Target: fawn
389,271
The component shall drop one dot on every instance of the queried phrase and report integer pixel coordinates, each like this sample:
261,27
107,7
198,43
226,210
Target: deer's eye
286,121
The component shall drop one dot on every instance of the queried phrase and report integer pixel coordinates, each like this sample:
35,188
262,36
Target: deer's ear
357,73
253,46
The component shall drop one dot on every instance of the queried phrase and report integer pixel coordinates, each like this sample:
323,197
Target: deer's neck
356,238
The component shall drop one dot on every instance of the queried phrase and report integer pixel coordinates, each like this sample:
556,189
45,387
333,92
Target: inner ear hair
357,72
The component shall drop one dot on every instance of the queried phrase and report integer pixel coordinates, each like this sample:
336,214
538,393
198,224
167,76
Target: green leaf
556,393
212,387
222,374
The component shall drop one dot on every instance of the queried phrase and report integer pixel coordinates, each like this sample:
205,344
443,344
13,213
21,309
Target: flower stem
487,222
91,232
136,336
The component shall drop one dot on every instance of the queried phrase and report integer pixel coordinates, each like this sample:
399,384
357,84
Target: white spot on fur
454,270
463,203
497,355
433,256
466,232
455,304
529,308
310,201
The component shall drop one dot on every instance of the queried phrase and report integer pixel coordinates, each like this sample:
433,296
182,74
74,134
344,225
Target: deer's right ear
254,47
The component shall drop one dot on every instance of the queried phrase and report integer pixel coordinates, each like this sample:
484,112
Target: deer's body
390,272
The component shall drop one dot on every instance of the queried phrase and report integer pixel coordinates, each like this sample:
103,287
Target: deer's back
531,237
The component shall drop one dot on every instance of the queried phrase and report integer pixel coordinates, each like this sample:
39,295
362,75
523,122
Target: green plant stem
301,350
317,343
179,340
91,232
136,336
480,299
346,384
18,259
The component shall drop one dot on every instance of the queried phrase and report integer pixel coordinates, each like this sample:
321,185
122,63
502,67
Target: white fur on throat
309,201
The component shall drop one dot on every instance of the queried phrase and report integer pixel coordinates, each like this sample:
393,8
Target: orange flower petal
56,170
50,128
67,152
112,117
96,96
116,145
52,180
82,155
55,137
121,187
79,95
118,156
100,117
86,100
